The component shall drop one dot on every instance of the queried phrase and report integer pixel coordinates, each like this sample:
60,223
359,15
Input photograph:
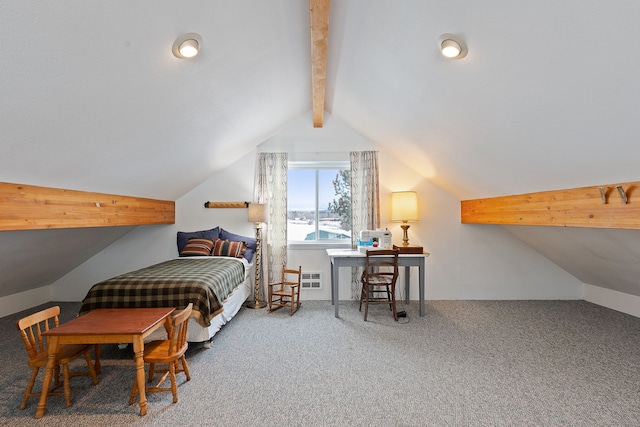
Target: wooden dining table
106,326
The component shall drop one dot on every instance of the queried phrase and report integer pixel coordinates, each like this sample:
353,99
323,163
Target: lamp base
256,304
405,235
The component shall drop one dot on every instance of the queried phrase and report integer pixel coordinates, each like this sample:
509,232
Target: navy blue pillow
184,236
250,241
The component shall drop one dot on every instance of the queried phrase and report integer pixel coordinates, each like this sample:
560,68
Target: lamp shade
257,212
404,206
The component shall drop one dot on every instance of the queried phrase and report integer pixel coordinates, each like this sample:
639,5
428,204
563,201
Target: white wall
151,244
465,262
23,300
613,299
141,247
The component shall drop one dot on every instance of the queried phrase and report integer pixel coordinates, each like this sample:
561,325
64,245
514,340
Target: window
319,202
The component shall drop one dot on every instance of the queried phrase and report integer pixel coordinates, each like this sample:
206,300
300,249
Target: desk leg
333,278
335,286
138,353
335,269
46,382
421,286
407,283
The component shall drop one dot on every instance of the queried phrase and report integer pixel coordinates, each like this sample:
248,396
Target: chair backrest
290,276
178,333
32,327
381,264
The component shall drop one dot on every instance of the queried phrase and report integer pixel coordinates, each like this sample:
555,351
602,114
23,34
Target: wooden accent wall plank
319,19
577,207
30,207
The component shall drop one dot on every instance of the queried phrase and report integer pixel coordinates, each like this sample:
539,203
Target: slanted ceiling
93,100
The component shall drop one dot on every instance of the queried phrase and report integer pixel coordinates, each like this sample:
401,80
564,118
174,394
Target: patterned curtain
270,187
365,202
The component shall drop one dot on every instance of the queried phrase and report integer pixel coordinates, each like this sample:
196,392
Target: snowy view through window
325,217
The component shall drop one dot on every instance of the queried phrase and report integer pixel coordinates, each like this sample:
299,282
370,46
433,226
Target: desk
106,326
351,258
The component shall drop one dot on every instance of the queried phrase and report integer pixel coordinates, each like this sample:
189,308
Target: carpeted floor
466,363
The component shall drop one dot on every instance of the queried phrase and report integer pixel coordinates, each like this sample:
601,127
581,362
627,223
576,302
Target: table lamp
257,214
404,208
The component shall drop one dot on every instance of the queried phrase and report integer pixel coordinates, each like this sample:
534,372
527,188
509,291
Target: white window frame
324,243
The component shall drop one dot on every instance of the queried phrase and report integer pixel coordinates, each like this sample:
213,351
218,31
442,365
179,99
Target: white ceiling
91,97
547,97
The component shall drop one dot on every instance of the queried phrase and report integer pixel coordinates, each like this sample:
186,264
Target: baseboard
619,301
24,300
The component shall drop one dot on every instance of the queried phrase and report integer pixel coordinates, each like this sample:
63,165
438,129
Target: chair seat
379,281
66,354
284,293
158,351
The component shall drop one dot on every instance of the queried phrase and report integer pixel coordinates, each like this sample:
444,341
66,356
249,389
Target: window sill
318,245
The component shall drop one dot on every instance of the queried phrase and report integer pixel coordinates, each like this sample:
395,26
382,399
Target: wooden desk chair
31,329
170,351
379,280
286,292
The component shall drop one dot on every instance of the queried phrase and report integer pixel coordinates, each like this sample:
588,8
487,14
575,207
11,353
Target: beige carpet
466,363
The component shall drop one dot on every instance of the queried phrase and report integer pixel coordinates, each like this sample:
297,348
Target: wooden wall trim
592,207
29,207
219,205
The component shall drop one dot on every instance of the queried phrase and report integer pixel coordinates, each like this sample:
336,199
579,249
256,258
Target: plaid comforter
206,282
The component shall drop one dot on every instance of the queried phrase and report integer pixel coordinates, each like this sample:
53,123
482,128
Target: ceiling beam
605,206
29,207
319,19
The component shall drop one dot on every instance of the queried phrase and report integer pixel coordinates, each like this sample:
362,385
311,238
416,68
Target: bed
213,272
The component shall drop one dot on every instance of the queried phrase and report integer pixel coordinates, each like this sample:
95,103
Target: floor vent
311,280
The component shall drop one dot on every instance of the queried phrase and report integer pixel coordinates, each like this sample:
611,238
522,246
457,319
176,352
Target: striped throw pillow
228,248
197,247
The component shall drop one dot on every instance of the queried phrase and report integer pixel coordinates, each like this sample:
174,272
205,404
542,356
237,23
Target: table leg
421,285
334,288
138,353
96,351
407,283
333,301
46,382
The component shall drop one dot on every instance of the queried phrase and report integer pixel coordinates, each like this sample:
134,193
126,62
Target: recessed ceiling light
187,45
452,46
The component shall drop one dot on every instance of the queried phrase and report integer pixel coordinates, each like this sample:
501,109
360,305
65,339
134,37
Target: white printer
374,239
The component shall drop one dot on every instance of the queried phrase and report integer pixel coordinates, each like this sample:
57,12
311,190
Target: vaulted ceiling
91,97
